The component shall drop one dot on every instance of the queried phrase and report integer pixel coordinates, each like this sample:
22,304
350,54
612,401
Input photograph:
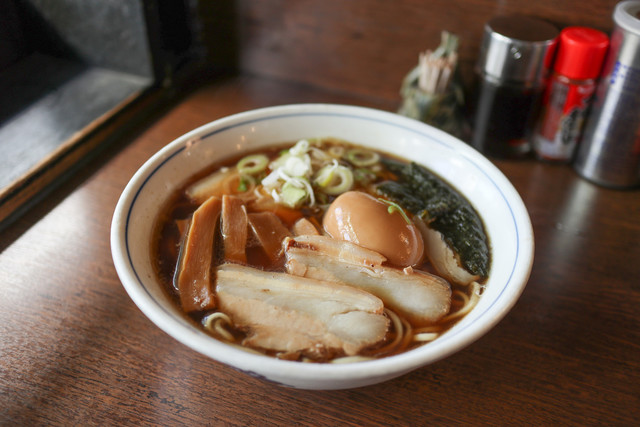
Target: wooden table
74,349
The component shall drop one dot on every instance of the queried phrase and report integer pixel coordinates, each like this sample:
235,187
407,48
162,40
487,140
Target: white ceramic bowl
506,219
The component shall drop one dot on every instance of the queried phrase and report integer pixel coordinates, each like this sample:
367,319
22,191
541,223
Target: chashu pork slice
336,248
420,297
287,313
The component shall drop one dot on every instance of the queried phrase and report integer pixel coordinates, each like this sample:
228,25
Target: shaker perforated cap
517,49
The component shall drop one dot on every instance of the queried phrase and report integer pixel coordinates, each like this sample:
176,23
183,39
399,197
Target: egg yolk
362,219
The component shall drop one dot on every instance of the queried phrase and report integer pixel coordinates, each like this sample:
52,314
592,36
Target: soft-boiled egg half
369,222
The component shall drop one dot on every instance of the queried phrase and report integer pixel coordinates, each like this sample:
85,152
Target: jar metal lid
517,49
627,16
625,40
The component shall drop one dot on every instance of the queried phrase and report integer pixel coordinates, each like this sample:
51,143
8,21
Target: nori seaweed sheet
426,195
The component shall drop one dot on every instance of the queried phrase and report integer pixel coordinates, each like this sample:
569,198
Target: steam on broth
322,251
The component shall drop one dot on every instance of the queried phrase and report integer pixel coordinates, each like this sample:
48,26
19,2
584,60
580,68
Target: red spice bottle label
562,119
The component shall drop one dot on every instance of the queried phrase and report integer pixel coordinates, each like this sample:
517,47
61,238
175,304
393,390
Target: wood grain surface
75,350
365,46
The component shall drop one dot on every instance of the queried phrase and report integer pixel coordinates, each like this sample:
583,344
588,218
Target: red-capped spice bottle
565,104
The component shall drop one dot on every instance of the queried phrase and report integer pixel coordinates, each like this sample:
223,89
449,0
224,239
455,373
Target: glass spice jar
513,66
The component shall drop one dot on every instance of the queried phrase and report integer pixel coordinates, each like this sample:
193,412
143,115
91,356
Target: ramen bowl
486,188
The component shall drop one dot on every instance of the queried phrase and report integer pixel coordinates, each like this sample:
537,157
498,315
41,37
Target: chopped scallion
362,158
335,179
252,164
293,196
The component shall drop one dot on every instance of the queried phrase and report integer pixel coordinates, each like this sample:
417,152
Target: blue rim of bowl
277,116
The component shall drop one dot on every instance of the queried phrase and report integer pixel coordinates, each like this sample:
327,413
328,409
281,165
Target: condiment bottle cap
627,16
625,37
581,52
517,49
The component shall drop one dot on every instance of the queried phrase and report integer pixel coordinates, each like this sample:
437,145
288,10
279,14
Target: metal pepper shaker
609,153
515,57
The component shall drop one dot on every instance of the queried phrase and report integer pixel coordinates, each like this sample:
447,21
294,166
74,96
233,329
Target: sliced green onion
334,179
253,164
301,147
325,175
336,151
246,183
293,196
242,186
394,207
362,158
297,165
364,176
